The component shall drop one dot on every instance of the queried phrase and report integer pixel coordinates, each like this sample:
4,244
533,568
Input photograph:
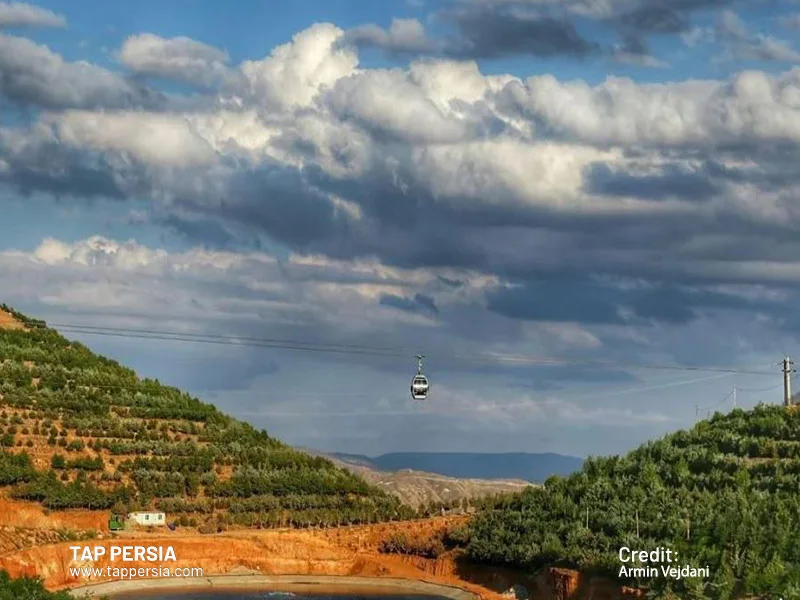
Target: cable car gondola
419,385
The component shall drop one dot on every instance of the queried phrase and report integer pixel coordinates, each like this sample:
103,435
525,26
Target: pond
257,595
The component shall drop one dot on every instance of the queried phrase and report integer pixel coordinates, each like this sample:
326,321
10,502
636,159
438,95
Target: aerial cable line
698,409
495,406
237,338
648,388
725,399
381,351
133,388
769,389
233,342
733,393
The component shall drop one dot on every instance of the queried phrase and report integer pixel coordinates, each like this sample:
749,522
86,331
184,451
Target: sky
584,180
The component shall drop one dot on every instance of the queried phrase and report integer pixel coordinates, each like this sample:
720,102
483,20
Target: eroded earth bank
35,543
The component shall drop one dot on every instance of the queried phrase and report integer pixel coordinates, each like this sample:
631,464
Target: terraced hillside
725,494
81,431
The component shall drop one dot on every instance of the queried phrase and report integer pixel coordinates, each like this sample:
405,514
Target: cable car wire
617,392
237,339
461,409
497,406
284,344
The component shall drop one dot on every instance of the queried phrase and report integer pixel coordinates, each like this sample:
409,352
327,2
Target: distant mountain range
471,465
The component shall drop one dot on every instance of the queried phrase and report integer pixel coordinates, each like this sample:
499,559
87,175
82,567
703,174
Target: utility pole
787,381
734,396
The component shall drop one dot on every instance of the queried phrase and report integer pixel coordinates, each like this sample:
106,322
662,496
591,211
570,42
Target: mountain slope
419,489
473,465
723,494
80,431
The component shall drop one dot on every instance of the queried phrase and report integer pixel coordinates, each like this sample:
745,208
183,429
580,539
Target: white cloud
19,14
33,74
751,106
404,35
178,58
370,99
449,83
391,191
442,129
791,21
159,139
639,60
103,282
111,281
514,411
744,45
296,72
508,171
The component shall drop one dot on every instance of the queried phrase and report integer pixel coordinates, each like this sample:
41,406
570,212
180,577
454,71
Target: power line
231,342
733,393
725,399
237,339
610,393
497,406
379,351
769,389
647,388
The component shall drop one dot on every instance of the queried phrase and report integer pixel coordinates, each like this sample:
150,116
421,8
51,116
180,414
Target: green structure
116,523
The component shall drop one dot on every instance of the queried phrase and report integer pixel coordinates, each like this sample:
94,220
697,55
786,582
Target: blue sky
557,178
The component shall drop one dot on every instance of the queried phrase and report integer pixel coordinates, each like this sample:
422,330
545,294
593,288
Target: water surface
251,595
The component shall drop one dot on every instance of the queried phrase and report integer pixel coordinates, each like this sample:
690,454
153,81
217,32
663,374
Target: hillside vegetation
81,431
725,494
27,589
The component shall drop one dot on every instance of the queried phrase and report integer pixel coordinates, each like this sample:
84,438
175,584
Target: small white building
155,519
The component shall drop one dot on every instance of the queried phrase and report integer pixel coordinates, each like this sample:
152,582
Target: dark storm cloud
517,235
420,303
74,180
634,43
586,301
277,201
482,33
405,226
516,28
774,169
49,168
212,233
450,282
664,17
495,33
655,19
768,166
672,182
